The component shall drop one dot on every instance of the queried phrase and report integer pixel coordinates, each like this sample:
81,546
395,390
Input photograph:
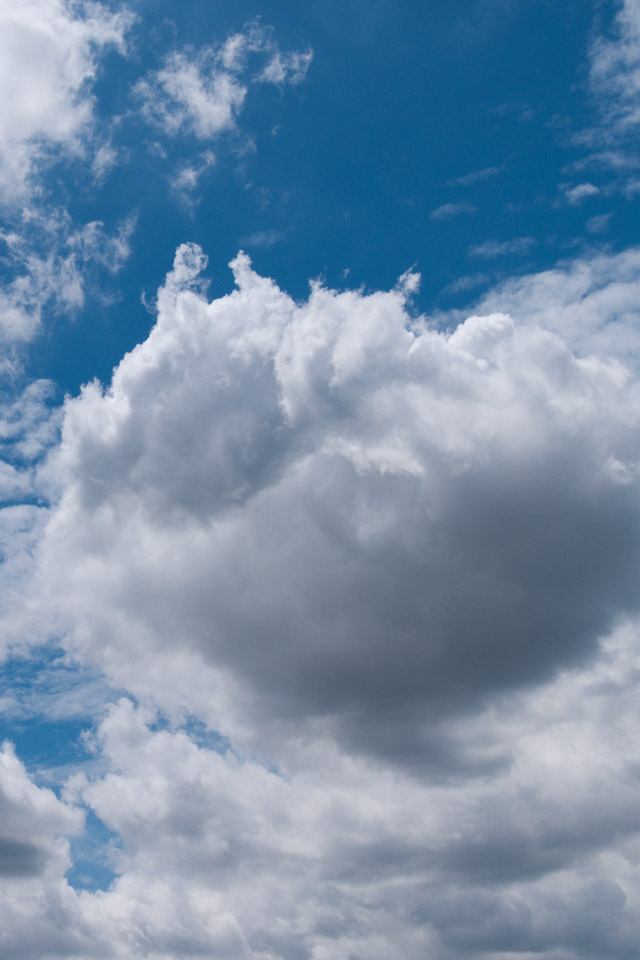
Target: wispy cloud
599,223
263,238
54,48
475,176
492,249
576,195
450,210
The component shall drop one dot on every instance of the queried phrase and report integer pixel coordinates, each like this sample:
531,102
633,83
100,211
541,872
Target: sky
320,487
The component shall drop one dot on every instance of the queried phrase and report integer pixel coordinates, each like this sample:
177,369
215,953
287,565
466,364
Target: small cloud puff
575,195
203,90
450,210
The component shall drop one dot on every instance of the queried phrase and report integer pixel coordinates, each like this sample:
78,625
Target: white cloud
615,69
449,210
189,175
48,59
280,485
575,195
188,93
203,91
614,77
397,569
53,263
335,856
475,176
591,302
491,249
287,68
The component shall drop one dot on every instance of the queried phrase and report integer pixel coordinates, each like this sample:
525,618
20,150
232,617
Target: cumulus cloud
48,59
335,856
341,515
475,176
32,821
592,303
373,584
204,90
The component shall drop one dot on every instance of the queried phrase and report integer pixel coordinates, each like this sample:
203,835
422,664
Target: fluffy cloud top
344,515
368,581
392,569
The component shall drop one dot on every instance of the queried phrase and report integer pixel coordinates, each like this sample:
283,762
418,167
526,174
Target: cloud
467,282
346,517
374,587
263,238
52,264
33,821
188,177
287,68
591,302
491,249
615,69
599,223
350,856
475,177
449,210
575,195
49,58
203,91
614,79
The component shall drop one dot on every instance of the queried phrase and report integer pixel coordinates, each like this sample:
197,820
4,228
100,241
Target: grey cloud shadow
19,858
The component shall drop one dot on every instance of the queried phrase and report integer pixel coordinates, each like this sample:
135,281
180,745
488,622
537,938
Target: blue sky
319,503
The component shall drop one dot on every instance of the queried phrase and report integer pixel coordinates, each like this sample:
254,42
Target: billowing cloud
375,585
367,580
614,78
335,856
592,303
32,821
344,516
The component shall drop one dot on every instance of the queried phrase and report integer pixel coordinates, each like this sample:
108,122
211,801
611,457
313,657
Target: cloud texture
347,595
389,572
48,60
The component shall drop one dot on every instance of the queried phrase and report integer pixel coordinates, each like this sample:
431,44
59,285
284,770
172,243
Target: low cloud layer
375,585
346,515
322,614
